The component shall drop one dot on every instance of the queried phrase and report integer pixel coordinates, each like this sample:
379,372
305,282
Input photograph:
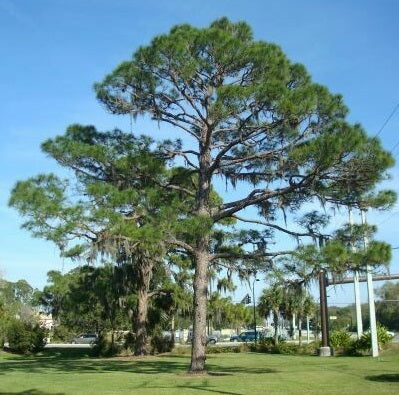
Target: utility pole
254,304
370,291
325,350
359,322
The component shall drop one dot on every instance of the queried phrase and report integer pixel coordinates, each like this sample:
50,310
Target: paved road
66,345
225,343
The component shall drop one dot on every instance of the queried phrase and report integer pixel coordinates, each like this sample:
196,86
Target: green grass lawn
73,372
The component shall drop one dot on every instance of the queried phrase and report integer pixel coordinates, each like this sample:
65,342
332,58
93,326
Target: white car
85,338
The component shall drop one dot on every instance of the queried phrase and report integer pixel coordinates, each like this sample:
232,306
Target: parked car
85,338
247,336
210,339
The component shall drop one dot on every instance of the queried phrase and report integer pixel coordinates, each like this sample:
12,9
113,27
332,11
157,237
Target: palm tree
271,302
300,303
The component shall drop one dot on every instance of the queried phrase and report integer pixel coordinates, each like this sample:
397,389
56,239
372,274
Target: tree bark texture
275,321
300,330
140,324
200,306
202,260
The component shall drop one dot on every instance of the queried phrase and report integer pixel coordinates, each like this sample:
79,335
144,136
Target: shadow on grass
31,392
216,370
205,385
70,361
388,378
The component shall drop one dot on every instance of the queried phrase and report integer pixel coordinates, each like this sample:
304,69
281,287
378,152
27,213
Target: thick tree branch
178,243
258,196
274,226
249,255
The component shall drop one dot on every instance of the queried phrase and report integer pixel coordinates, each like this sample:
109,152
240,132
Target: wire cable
387,120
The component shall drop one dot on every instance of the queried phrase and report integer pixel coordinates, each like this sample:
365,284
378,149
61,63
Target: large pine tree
255,118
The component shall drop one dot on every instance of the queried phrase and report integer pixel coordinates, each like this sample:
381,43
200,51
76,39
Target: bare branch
178,243
268,224
183,154
258,196
186,96
248,255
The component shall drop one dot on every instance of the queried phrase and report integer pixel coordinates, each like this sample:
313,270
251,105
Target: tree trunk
291,333
141,322
300,330
172,331
199,325
143,279
275,322
202,257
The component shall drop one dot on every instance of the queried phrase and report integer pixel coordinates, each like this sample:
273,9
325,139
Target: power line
387,120
385,124
394,149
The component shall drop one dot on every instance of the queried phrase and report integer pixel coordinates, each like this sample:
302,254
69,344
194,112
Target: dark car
85,338
247,336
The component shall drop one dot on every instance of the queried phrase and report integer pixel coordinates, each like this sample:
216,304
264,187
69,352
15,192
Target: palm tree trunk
300,330
172,329
275,323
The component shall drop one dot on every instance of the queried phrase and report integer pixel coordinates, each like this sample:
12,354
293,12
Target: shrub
181,350
244,347
103,347
340,340
266,345
61,334
364,343
25,337
295,349
129,341
160,343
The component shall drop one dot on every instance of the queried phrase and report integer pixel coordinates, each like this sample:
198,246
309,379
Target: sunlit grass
74,372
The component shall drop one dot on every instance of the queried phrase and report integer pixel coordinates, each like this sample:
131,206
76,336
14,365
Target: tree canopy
112,207
250,116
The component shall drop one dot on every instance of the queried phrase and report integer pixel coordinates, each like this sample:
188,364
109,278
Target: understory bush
124,344
364,343
160,343
61,334
103,347
244,347
25,337
129,341
342,342
267,345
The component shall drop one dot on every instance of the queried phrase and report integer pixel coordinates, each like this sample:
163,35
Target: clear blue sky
53,50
